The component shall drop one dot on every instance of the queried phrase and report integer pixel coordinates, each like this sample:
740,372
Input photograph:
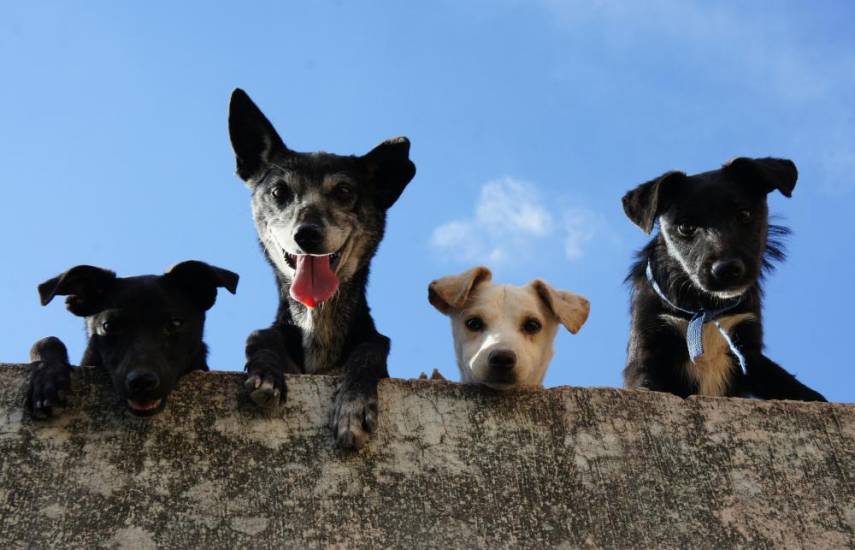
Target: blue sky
528,121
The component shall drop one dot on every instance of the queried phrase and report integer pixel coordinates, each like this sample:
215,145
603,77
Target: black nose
502,359
139,381
309,237
728,271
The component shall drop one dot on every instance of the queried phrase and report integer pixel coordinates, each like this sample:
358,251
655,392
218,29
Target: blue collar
695,330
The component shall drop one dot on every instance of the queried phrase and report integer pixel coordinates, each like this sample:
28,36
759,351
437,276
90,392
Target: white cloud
579,230
509,206
511,222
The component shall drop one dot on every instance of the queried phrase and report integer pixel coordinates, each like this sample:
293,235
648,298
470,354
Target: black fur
713,219
291,190
145,331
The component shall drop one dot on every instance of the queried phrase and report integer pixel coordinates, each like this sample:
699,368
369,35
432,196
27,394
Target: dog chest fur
712,371
321,345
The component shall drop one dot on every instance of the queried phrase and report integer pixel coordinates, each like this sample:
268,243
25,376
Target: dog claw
252,382
266,394
49,383
265,381
353,419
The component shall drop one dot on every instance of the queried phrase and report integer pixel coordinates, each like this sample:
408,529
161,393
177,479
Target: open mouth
729,294
315,276
291,259
144,408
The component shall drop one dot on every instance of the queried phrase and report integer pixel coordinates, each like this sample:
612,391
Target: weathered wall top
449,467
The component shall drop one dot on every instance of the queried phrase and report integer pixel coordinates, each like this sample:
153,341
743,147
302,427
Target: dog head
145,331
319,216
503,334
714,224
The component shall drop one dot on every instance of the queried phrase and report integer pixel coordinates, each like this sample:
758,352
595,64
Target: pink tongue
314,282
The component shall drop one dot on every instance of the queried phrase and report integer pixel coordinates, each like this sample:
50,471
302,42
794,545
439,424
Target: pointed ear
571,309
86,287
452,292
391,169
770,173
254,139
644,203
200,281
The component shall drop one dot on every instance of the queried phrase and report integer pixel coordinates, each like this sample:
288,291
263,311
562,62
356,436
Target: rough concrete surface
449,467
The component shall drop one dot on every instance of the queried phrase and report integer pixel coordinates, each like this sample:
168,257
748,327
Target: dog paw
265,382
354,417
49,385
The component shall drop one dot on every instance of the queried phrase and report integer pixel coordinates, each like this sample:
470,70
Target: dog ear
253,137
571,309
771,173
85,287
644,203
200,281
452,292
390,168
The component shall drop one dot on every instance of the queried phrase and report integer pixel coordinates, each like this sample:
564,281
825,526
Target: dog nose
141,381
502,359
728,271
309,237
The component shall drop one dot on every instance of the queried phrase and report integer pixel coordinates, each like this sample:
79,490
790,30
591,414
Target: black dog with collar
713,247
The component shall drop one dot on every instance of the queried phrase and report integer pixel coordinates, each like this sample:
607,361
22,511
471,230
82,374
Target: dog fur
341,202
712,249
503,334
145,331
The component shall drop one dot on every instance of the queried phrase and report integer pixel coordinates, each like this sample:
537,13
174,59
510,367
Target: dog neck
325,328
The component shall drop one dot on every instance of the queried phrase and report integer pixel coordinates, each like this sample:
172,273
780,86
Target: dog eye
744,216
686,230
532,326
475,324
110,327
281,193
175,322
343,192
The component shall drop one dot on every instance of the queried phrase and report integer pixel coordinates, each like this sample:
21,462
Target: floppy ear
452,292
253,137
571,309
770,173
86,287
200,281
391,169
644,203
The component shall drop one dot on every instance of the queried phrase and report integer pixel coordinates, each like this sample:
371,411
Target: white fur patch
712,370
674,252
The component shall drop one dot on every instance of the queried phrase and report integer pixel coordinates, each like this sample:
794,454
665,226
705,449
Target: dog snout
502,359
140,381
309,237
728,271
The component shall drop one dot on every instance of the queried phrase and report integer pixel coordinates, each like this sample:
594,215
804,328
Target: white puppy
503,334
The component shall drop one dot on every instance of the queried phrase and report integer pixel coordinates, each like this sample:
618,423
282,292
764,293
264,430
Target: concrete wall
450,467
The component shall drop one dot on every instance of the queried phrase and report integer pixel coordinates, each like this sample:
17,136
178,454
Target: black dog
320,218
696,305
146,331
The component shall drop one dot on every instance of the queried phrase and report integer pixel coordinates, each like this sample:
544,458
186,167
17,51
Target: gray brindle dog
320,218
